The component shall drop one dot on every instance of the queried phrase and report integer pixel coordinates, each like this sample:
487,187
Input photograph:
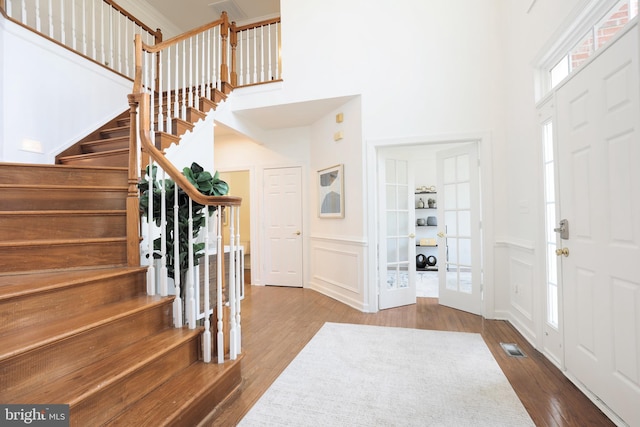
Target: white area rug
358,375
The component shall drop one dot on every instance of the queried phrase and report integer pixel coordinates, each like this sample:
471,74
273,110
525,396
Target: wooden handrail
157,32
177,39
172,171
257,24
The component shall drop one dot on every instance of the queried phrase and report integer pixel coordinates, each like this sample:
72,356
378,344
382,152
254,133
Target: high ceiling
188,14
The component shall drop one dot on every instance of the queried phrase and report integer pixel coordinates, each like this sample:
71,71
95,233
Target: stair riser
26,199
46,257
100,407
101,146
65,302
56,175
116,159
64,225
30,370
122,131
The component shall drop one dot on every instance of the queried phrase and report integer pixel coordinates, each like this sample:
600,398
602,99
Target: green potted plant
210,185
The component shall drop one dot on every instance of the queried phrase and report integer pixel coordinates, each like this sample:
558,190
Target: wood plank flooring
278,322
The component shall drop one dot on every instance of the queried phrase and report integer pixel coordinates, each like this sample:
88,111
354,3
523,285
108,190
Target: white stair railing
172,78
257,56
100,30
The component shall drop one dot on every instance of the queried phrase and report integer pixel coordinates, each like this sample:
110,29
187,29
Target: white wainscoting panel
338,270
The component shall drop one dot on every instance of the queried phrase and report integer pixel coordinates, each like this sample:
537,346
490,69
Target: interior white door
458,199
283,226
397,250
599,178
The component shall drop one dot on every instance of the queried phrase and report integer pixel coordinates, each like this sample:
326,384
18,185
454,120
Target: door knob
563,251
441,234
412,235
298,233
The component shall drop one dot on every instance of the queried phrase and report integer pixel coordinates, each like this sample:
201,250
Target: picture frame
331,192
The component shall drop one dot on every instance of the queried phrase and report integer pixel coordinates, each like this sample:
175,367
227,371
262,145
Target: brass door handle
441,234
412,235
298,233
563,251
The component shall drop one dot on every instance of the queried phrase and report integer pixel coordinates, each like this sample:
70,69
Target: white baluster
190,87
151,271
196,71
23,13
176,104
262,54
111,56
84,28
208,74
239,282
278,68
158,90
94,42
38,22
163,239
73,25
50,12
233,343
9,6
219,275
102,51
151,90
177,303
255,56
184,80
206,335
191,294
119,45
270,53
168,93
62,24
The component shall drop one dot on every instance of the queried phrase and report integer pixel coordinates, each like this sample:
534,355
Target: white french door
599,153
459,239
397,250
283,226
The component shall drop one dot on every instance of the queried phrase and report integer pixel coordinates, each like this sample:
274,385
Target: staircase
76,324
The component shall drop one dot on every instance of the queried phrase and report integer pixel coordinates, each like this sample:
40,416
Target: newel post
132,206
224,66
234,43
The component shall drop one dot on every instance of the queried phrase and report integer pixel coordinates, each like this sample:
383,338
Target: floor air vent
512,349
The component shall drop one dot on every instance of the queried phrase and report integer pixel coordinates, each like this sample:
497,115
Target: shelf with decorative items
426,228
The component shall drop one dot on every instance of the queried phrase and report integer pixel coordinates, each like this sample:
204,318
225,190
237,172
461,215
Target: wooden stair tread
77,385
121,151
23,340
18,285
58,242
54,187
65,212
166,404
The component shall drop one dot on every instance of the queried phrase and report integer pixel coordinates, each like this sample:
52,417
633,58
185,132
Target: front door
397,250
458,202
283,226
599,179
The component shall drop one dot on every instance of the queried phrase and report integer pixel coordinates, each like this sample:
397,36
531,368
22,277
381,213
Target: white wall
520,253
430,72
51,96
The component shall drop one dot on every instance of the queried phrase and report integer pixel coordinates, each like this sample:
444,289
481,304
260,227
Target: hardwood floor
278,322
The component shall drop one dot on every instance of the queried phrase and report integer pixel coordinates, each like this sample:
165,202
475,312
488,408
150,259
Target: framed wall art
331,192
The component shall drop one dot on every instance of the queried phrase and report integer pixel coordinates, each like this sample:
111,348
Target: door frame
483,139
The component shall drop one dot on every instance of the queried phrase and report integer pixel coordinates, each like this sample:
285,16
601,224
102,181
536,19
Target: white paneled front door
283,226
599,179
459,228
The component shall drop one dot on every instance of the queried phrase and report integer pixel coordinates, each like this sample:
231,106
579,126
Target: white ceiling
188,14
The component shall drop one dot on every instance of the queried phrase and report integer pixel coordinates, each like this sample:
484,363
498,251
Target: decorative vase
420,203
